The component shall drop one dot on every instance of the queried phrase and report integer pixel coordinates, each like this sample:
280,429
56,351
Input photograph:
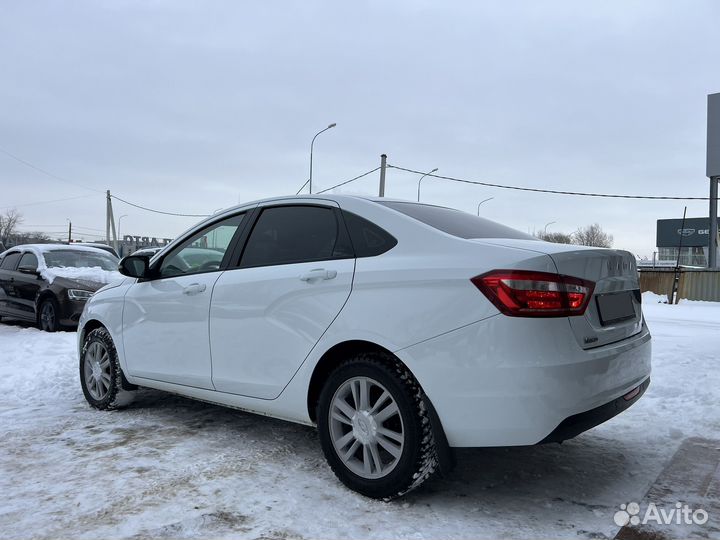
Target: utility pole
713,233
69,232
110,223
383,167
713,172
676,275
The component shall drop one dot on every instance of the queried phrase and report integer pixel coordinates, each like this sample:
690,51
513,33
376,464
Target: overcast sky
192,106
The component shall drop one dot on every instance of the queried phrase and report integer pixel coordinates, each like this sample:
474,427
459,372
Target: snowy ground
172,467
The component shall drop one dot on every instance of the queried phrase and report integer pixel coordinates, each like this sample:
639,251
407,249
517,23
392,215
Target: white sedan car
401,330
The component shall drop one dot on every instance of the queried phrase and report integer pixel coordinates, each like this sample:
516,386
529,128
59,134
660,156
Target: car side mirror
27,269
136,266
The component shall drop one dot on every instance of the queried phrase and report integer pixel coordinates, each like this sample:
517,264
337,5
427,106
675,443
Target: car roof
44,248
304,198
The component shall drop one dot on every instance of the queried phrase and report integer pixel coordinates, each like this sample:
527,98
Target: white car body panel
265,321
493,379
165,334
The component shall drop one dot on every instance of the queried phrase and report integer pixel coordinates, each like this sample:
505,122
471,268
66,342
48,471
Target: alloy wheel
47,316
96,371
366,427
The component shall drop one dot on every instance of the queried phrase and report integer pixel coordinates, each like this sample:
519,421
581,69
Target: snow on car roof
44,248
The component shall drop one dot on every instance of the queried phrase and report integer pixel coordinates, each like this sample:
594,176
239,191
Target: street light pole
547,225
421,178
311,150
119,222
117,247
483,201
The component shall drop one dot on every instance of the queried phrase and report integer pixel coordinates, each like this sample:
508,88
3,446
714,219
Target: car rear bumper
511,381
576,424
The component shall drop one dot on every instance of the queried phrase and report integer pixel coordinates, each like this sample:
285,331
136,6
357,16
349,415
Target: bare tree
33,237
592,235
555,237
8,223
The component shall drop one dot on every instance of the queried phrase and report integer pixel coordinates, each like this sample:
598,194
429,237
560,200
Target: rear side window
10,261
295,234
367,238
456,222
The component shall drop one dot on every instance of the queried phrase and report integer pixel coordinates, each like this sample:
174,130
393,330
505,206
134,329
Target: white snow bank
652,298
95,273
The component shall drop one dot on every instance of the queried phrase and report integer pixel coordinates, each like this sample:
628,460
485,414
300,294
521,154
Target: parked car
401,330
49,283
99,245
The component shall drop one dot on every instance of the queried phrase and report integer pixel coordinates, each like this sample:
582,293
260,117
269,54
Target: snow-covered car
99,245
49,283
401,330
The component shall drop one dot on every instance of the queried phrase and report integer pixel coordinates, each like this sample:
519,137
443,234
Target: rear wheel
100,374
48,315
374,427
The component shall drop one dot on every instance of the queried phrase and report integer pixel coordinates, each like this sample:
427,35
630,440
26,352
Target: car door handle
318,274
194,288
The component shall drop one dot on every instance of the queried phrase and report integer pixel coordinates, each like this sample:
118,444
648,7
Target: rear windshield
70,258
456,222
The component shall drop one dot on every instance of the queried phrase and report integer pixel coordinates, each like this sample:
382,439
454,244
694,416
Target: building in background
693,235
129,243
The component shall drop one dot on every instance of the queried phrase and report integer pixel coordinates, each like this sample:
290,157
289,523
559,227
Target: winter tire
374,427
100,374
48,315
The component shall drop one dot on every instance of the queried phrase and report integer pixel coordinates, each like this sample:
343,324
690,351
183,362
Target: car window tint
202,252
10,261
29,259
294,234
456,222
367,238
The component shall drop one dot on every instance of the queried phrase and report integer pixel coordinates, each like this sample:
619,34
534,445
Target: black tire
417,460
110,395
47,315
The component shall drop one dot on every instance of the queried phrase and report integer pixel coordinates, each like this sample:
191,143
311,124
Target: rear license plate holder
615,307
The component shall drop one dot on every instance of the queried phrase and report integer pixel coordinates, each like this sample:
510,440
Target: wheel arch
41,297
330,360
89,326
340,351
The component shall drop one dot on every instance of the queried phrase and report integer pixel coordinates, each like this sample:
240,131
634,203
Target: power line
553,191
46,202
348,181
157,211
46,173
59,226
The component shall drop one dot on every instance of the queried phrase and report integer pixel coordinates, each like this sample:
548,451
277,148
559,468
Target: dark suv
49,284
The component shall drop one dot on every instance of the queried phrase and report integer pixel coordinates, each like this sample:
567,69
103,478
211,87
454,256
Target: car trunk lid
614,312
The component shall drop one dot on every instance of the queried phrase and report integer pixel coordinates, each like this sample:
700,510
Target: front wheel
100,373
48,315
374,427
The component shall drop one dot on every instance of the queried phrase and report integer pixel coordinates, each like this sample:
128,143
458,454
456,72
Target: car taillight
522,293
